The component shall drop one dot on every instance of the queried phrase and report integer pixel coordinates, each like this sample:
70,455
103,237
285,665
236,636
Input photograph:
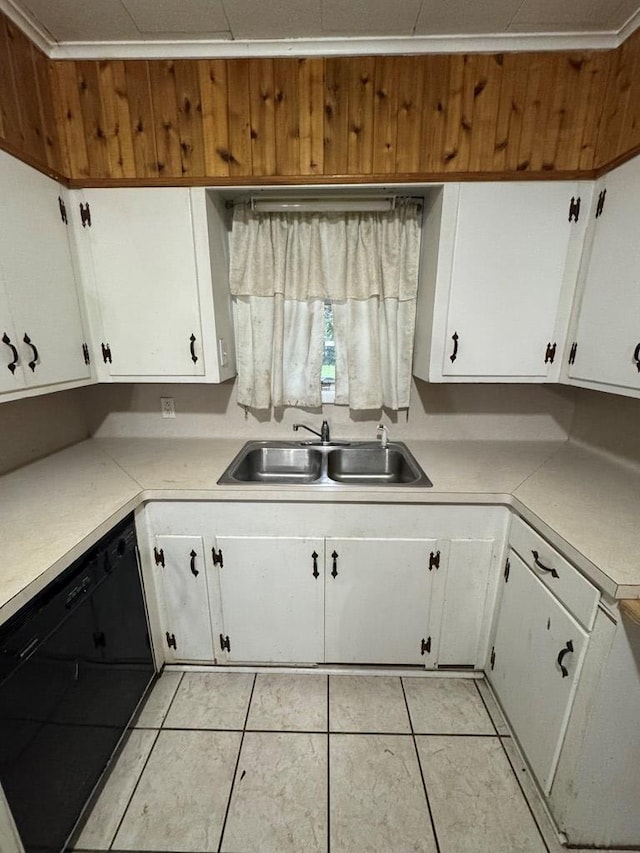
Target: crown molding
195,49
629,27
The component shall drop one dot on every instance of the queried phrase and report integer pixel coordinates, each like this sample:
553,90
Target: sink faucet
323,435
383,434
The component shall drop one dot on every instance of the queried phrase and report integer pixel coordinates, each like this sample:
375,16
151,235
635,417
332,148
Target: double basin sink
340,463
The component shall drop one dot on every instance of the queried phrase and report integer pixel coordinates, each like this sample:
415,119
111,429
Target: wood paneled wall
553,114
28,126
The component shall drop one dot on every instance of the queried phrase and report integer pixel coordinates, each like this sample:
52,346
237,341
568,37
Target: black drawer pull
14,352
334,570
536,560
192,565
315,571
636,356
192,347
568,649
454,354
36,357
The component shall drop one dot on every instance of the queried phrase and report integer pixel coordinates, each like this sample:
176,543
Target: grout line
135,788
525,798
235,770
173,699
424,784
486,707
328,766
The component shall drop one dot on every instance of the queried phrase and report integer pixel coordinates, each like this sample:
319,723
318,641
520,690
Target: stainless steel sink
358,463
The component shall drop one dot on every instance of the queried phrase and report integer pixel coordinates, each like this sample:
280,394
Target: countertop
585,502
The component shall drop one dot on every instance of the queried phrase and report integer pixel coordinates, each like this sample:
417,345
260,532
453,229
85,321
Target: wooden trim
630,607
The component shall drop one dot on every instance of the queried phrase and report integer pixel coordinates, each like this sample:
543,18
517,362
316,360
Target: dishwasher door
73,673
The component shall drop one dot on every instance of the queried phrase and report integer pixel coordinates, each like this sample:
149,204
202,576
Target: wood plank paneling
352,118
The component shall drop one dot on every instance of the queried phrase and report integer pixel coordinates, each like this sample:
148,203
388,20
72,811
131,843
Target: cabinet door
272,594
458,612
184,600
145,273
11,374
507,274
608,334
377,600
535,666
39,276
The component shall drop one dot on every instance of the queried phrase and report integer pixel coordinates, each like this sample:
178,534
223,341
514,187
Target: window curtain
283,266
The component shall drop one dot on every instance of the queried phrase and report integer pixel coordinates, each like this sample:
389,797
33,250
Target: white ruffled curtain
285,265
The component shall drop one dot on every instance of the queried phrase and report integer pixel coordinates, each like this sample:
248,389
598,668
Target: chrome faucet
323,435
383,434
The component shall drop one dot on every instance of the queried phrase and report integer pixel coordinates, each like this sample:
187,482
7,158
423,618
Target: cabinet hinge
550,353
85,215
63,210
85,354
493,657
574,209
507,568
158,556
99,640
434,560
572,352
171,641
225,643
106,353
600,204
425,646
217,557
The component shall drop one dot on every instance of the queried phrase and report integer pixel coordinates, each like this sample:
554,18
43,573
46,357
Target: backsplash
609,422
37,426
460,411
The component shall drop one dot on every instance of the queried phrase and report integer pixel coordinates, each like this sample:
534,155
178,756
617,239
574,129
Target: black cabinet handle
36,357
454,354
194,571
568,649
14,353
315,571
536,560
192,341
334,570
636,356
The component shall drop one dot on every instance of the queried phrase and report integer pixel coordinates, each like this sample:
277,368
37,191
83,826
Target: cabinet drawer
566,582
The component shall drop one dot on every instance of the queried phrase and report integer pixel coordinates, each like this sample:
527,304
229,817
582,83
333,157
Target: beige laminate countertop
584,502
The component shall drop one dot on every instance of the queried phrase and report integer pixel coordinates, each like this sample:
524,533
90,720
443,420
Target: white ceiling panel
459,17
576,15
84,20
273,19
195,17
369,17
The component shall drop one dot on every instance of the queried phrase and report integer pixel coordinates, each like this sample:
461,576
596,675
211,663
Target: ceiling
67,27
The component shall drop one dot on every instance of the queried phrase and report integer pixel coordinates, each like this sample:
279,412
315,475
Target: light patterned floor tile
180,801
216,700
446,706
367,703
279,800
476,803
158,701
289,702
377,797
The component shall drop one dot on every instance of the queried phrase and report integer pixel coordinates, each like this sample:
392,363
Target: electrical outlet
167,407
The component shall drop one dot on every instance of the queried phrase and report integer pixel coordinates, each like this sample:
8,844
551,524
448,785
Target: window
328,375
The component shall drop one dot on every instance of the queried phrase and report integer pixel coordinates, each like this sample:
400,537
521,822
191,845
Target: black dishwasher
74,665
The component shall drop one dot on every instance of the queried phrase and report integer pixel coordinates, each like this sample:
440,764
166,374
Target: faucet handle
383,434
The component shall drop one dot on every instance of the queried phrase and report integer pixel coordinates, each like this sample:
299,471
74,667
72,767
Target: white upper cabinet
604,350
149,273
11,374
39,282
507,260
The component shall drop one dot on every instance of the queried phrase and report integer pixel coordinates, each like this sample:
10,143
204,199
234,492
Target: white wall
609,422
38,426
511,412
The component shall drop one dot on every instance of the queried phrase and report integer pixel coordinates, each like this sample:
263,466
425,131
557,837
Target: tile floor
244,762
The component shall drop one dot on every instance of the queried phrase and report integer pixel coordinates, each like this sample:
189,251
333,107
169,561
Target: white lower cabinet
387,595
181,582
271,599
377,600
535,666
